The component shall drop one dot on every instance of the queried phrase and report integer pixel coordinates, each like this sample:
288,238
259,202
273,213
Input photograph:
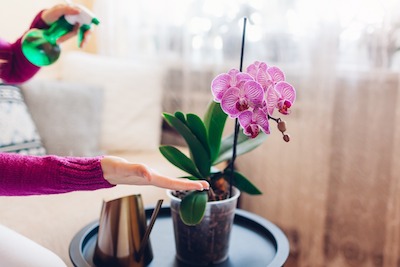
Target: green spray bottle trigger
40,45
84,19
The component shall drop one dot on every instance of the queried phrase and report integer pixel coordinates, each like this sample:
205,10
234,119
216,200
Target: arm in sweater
14,67
32,175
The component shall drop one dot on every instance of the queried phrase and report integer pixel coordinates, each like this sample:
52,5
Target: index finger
178,183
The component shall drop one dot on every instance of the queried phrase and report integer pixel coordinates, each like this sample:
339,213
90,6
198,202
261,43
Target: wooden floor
335,188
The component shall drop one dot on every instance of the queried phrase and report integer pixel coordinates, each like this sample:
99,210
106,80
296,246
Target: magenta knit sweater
34,175
14,67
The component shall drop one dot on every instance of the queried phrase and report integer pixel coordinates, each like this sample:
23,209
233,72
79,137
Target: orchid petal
276,74
253,92
243,77
250,127
263,66
272,99
229,101
252,130
252,69
264,79
283,107
233,73
245,118
286,91
219,85
262,120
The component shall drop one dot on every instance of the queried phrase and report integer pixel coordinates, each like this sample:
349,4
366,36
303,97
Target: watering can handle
146,236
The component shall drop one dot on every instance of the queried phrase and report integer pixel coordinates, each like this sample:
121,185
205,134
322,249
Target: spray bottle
40,45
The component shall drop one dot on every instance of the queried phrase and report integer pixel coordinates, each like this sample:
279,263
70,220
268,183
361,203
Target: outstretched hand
119,171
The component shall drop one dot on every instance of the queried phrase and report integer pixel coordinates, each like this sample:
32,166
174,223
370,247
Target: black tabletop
255,242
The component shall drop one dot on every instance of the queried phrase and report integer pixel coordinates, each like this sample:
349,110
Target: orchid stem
275,119
235,137
237,126
243,42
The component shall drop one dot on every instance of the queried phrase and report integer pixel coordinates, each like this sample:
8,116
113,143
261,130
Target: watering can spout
124,236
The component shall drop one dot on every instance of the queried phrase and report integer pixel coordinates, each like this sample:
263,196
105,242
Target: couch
92,105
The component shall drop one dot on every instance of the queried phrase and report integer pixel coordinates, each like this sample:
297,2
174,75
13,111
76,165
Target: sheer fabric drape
195,39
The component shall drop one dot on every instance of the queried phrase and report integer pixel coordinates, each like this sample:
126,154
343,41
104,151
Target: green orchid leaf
180,116
193,207
190,177
244,144
198,128
227,142
180,160
214,120
242,183
199,154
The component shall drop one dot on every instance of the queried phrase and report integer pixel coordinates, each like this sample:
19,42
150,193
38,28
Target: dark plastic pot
208,242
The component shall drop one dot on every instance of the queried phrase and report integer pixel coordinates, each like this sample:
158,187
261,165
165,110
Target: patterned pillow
18,132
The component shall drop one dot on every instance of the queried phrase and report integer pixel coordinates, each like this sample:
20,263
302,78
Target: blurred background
335,188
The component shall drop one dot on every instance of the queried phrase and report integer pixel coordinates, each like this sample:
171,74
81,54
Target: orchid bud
286,137
282,126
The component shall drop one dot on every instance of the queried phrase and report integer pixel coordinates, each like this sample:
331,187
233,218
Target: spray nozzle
84,19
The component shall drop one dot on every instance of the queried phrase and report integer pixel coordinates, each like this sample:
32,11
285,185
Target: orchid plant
249,97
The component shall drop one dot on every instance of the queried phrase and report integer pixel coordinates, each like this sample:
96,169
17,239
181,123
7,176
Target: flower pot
207,242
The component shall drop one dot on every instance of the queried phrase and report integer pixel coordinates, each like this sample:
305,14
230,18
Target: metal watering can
123,236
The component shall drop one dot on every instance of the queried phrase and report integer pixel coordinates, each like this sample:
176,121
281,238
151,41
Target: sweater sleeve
22,175
14,66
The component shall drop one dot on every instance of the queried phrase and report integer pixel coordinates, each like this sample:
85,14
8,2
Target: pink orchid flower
282,97
239,99
224,81
252,122
253,96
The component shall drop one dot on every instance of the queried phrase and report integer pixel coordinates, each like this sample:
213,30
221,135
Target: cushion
131,119
67,115
18,133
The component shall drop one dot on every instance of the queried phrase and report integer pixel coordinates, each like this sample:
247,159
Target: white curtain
195,39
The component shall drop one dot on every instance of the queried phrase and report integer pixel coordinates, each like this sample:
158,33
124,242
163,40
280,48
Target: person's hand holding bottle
51,15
